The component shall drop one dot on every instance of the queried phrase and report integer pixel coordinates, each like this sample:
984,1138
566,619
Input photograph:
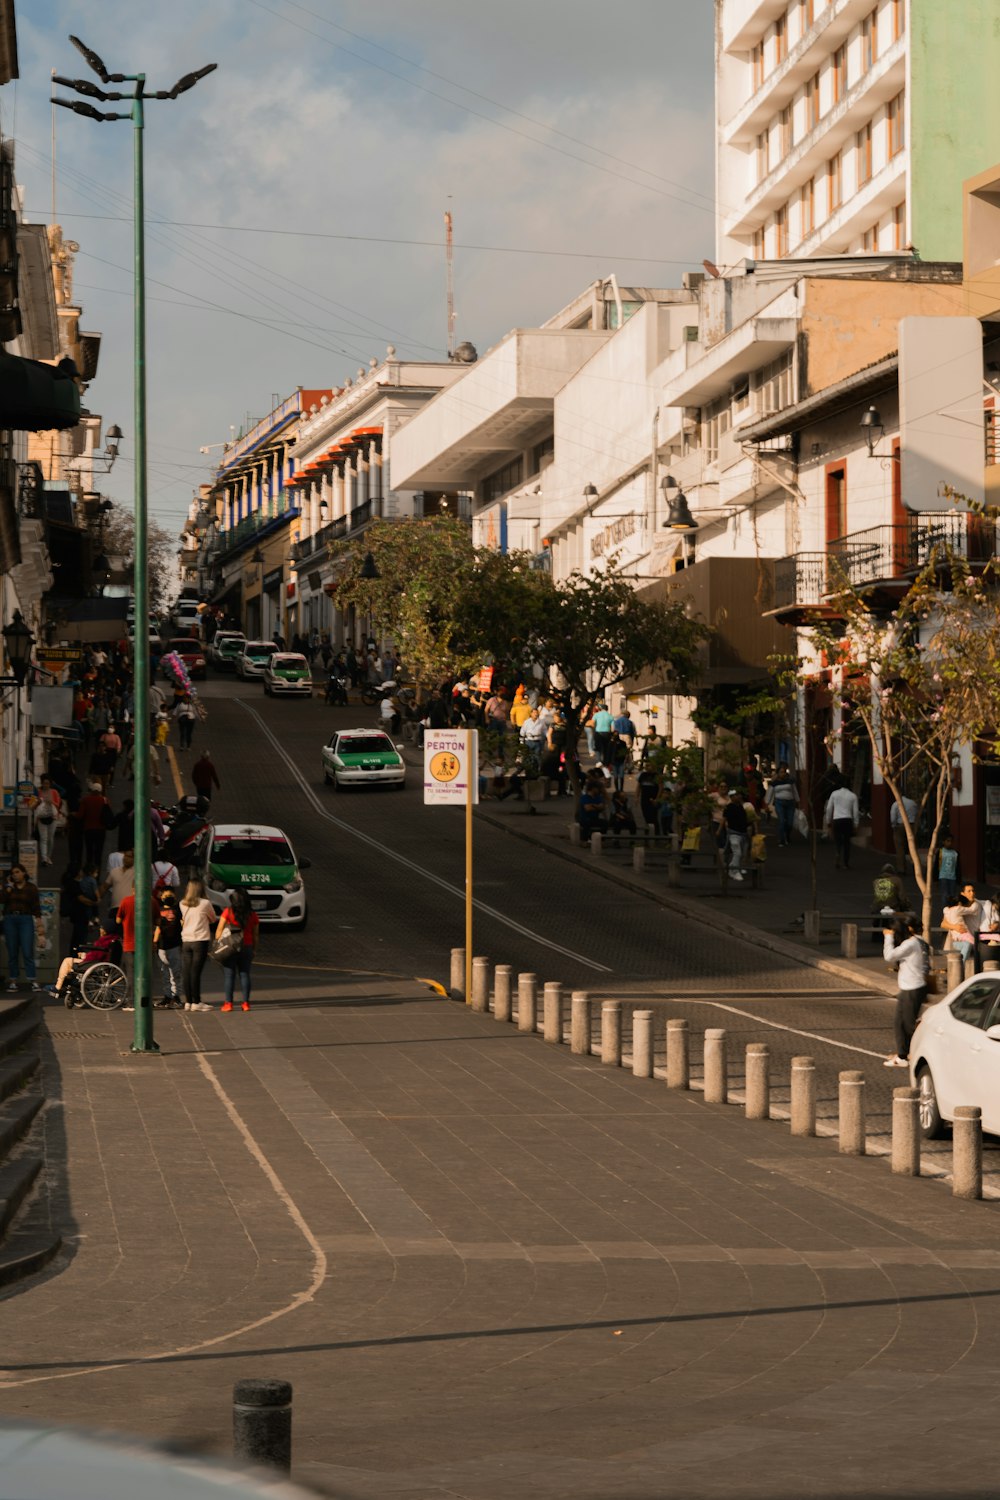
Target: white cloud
294,133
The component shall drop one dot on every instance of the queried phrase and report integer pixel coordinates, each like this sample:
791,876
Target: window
763,155
869,240
864,145
839,74
974,1004
899,227
503,480
758,244
774,385
807,14
836,502
542,454
835,182
869,41
812,102
785,129
807,209
757,67
741,397
781,231
898,8
780,40
716,422
896,113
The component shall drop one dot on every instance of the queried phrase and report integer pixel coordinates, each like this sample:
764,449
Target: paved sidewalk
771,914
491,1268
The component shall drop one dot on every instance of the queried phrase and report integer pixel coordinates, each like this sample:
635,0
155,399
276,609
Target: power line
374,239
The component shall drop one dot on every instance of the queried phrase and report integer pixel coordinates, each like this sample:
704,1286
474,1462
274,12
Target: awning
36,397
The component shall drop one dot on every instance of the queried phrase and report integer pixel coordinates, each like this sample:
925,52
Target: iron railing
361,515
251,526
309,546
31,491
884,553
800,580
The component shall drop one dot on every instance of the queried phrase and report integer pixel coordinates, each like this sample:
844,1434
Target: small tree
425,567
933,687
119,536
587,633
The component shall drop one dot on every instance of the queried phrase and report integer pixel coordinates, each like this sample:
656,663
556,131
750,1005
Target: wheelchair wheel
104,987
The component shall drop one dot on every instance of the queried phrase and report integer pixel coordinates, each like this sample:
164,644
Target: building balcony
254,526
831,27
315,545
712,369
882,561
360,516
492,412
38,397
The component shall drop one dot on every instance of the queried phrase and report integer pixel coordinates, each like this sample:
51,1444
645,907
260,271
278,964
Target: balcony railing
251,526
884,553
800,581
309,546
31,491
992,438
361,515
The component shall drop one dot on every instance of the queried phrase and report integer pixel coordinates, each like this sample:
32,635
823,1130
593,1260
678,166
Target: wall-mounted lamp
874,430
324,511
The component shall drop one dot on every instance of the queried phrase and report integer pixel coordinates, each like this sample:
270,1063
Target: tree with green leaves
424,568
119,537
584,635
922,683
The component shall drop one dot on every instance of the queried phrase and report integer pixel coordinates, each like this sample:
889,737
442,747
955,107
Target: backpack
930,973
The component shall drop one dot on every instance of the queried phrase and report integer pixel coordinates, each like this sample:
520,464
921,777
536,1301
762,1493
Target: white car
254,658
261,860
955,1055
288,674
362,757
225,648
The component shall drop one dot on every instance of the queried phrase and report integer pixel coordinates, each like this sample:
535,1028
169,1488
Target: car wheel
931,1123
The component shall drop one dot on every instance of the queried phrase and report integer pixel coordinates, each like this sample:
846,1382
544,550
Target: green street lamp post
142,1040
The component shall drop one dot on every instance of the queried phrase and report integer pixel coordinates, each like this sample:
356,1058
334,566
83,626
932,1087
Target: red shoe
228,1005
244,1006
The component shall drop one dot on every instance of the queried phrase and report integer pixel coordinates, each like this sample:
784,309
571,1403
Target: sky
569,139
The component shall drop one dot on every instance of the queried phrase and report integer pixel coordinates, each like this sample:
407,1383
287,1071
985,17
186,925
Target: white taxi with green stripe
288,674
261,860
362,757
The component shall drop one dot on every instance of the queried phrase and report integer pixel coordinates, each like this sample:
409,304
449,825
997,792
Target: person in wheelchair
105,949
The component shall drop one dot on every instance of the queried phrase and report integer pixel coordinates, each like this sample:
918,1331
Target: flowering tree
922,684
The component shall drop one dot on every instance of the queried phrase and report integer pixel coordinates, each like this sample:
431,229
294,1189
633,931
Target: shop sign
272,580
611,536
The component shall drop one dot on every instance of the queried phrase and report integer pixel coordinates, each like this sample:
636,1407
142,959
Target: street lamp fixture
18,641
679,517
257,557
590,493
369,570
136,98
873,428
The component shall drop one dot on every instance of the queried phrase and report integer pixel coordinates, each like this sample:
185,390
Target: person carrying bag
236,939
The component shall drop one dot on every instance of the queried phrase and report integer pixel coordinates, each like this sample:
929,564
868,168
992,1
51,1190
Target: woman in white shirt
197,920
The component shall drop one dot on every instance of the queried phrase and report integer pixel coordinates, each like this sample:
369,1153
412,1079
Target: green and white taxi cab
362,757
254,657
288,675
261,860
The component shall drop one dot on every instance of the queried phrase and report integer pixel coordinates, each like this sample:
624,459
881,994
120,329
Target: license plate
259,905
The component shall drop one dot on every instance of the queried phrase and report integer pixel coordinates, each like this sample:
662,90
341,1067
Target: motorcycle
336,691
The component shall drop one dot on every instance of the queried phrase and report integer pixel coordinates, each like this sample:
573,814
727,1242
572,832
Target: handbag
226,947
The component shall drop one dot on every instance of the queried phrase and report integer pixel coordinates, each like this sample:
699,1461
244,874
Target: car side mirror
400,748
993,1032
304,864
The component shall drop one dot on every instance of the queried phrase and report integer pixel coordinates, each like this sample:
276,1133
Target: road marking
401,859
813,1036
175,772
307,1295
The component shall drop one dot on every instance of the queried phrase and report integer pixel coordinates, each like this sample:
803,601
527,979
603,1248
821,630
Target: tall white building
847,126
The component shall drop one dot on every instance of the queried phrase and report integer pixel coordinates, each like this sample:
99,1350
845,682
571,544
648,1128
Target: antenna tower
449,258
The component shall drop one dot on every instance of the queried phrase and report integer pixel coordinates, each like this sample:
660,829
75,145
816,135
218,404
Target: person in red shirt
126,926
239,914
94,814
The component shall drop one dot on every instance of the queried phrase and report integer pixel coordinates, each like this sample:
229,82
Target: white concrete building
846,126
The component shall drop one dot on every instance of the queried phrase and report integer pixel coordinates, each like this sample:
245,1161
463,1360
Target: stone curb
732,926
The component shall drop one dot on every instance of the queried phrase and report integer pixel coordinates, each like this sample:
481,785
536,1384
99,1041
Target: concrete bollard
642,1043
456,983
552,1012
716,1070
639,859
758,1086
810,930
953,968
575,837
849,939
852,1113
673,870
480,984
579,1023
596,843
803,1102
967,1152
501,992
990,965
262,1423
906,1132
527,1002
611,1033
678,1055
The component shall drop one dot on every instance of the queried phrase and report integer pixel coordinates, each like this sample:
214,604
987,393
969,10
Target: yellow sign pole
472,764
